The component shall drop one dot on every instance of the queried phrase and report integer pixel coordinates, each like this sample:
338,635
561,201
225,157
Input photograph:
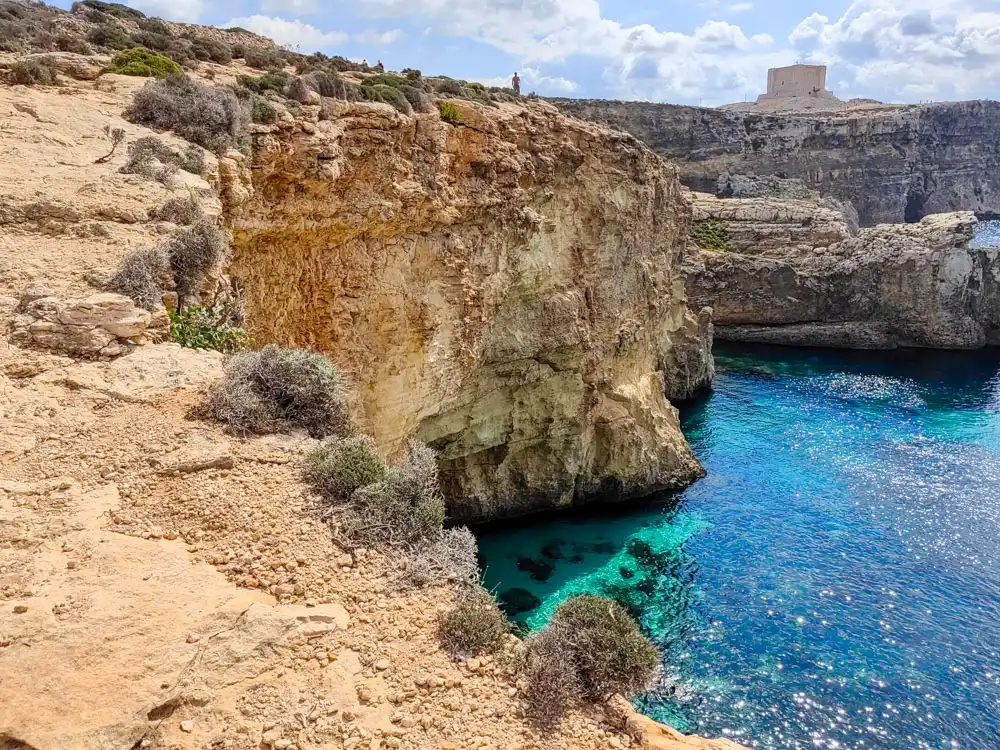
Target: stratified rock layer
507,290
791,273
893,164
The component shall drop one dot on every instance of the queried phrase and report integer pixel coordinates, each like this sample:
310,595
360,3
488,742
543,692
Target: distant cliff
893,164
790,272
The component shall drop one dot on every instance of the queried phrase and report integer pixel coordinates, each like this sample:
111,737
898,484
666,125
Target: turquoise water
834,581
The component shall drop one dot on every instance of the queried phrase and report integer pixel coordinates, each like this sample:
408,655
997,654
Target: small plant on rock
451,558
277,390
387,95
339,467
140,277
449,113
710,234
140,61
193,253
183,211
199,327
405,508
475,625
114,136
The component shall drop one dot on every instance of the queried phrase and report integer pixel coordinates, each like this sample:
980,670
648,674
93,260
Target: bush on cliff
710,234
449,113
140,276
475,625
183,211
32,72
451,558
140,61
210,116
193,253
278,390
387,95
200,327
110,37
339,467
591,649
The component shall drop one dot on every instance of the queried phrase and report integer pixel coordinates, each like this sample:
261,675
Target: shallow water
834,581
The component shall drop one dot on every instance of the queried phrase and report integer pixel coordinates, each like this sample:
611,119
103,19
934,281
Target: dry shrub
339,467
474,626
140,277
298,90
184,211
278,390
210,116
405,509
193,252
452,558
31,72
148,155
591,649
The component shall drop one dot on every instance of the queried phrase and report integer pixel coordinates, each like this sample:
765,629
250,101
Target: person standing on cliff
515,83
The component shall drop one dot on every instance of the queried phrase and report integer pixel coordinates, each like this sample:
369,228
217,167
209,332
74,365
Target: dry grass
140,277
451,558
193,253
474,626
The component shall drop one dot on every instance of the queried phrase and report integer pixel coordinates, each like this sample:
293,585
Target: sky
707,52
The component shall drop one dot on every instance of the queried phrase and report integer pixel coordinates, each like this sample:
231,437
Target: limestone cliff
893,164
790,272
507,289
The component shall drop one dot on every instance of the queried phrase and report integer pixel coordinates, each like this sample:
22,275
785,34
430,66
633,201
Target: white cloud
371,36
292,7
295,33
925,49
188,11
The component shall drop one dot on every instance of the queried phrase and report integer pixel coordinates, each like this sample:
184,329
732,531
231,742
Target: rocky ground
163,584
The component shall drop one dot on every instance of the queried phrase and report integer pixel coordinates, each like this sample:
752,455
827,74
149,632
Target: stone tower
796,81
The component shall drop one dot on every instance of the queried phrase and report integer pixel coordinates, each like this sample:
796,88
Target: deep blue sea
834,580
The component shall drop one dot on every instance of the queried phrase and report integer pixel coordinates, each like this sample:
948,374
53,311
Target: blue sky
701,51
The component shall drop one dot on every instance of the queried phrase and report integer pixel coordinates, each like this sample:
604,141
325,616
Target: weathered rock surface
99,325
651,735
508,290
791,273
894,163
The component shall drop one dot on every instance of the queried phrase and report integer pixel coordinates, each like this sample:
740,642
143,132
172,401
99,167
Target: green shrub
31,72
140,61
210,116
13,36
206,328
386,79
339,467
277,390
387,95
262,111
73,43
710,234
193,253
327,84
262,59
209,49
140,276
114,9
412,75
275,81
152,40
449,113
109,36
154,25
406,508
475,625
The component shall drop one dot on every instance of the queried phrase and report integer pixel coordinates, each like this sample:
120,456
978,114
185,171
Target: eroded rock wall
791,273
507,290
894,164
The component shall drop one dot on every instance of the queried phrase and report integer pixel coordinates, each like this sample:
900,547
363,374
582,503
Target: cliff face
507,290
791,273
894,164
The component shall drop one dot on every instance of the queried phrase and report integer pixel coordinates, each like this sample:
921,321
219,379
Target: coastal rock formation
790,272
893,163
508,290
